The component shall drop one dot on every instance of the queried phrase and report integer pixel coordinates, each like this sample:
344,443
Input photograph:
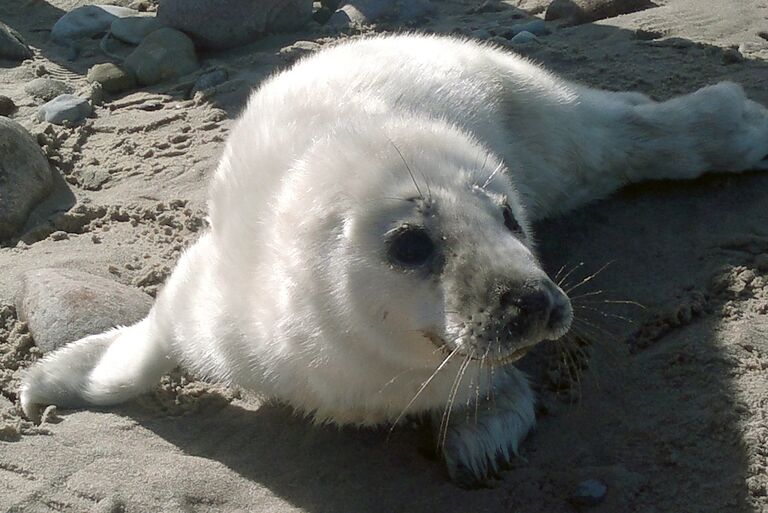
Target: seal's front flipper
103,369
475,447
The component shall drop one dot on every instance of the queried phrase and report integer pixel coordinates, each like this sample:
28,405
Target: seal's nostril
506,299
536,303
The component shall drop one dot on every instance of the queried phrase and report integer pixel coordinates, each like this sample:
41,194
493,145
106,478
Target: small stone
210,79
12,45
65,109
50,416
87,21
7,107
361,12
92,178
163,55
134,29
536,27
25,176
576,12
589,493
112,77
59,235
47,89
732,56
61,305
523,37
299,49
229,23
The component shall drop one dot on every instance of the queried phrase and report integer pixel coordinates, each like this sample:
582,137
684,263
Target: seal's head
413,238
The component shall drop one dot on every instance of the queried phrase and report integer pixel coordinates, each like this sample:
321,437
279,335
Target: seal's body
370,251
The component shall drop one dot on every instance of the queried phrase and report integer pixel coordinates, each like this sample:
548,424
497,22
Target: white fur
290,295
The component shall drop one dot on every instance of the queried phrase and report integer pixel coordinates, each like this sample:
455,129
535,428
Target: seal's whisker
424,385
582,321
408,168
451,398
615,302
480,169
397,376
604,314
493,175
589,278
587,294
558,273
562,281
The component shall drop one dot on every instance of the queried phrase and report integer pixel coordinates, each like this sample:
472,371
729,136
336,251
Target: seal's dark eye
510,222
410,246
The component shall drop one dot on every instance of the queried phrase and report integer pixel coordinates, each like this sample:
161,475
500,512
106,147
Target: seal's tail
99,370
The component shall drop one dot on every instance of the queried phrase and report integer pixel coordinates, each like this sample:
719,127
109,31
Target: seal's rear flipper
104,369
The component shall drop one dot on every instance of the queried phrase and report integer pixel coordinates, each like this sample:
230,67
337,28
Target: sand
669,409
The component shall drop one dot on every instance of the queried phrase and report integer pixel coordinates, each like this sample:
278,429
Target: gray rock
362,12
589,493
87,21
229,23
47,89
7,107
536,27
61,306
63,109
163,55
523,37
134,29
112,77
25,177
210,79
299,49
12,46
575,12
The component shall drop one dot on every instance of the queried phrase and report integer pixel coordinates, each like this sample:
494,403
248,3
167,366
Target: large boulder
25,176
87,21
228,23
163,55
575,12
12,46
61,305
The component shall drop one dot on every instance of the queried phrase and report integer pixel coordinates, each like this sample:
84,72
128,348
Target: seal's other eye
510,222
411,246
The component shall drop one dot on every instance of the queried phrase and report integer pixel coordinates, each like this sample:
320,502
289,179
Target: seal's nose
542,305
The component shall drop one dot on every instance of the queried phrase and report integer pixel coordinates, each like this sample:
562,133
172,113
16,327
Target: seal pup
370,251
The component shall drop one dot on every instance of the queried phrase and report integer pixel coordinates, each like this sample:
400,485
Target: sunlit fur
290,294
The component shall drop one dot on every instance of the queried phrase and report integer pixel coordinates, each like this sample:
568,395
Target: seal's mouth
497,360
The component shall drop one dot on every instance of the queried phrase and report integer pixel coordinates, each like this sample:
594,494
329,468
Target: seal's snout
530,308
